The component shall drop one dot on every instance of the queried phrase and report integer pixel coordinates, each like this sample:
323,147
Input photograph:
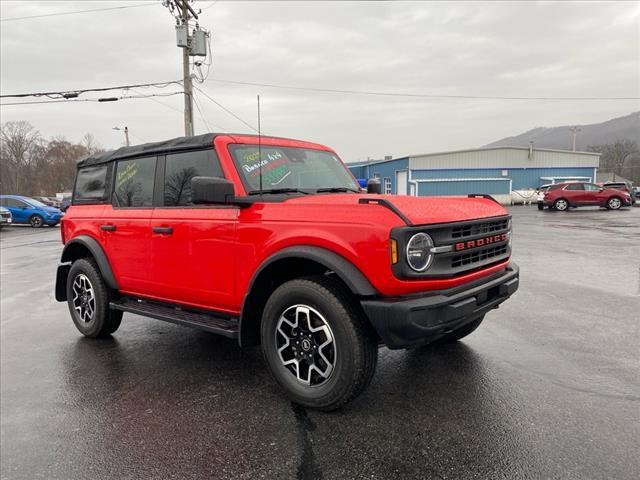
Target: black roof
154,148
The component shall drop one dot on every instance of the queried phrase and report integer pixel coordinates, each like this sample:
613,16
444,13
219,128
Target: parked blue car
28,210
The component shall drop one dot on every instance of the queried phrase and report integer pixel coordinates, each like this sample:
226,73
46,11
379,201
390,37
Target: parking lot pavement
548,387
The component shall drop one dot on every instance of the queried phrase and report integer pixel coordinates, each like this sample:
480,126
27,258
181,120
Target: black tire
461,332
561,205
36,221
103,321
614,203
540,206
355,345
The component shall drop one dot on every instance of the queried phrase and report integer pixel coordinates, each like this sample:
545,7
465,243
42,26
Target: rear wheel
540,206
88,299
317,343
561,205
614,203
36,221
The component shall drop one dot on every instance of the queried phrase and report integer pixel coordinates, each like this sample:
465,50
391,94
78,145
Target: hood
418,210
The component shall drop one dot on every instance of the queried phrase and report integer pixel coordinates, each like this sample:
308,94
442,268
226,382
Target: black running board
170,313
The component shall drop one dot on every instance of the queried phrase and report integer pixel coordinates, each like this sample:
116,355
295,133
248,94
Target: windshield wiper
277,190
337,189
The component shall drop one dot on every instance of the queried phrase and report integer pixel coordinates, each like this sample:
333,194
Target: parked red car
272,241
563,196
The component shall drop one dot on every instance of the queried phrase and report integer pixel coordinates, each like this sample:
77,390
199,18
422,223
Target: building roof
468,150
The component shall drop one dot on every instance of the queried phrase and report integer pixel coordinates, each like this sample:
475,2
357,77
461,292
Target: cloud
459,48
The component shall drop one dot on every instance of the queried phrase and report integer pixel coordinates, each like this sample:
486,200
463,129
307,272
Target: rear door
126,225
19,209
193,246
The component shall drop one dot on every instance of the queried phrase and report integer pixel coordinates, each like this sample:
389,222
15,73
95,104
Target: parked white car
5,217
541,191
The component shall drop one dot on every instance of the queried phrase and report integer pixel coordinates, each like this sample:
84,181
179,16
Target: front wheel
540,206
317,343
88,299
614,203
36,221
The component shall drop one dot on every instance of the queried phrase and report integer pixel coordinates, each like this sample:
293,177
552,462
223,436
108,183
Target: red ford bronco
271,241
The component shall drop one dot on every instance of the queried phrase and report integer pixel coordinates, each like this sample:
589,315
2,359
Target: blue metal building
496,171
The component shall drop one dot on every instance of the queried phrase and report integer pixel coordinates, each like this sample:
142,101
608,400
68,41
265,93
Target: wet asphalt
547,387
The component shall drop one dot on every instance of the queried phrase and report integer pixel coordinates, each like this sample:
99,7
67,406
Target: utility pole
574,131
193,44
186,71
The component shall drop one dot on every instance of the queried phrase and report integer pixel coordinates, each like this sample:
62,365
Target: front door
193,246
126,225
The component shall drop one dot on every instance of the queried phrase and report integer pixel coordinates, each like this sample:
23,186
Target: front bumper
414,321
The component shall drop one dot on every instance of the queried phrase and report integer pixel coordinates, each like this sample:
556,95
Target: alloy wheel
36,221
306,345
84,299
561,205
614,203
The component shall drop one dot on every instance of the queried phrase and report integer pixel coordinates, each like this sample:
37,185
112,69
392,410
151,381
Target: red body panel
214,251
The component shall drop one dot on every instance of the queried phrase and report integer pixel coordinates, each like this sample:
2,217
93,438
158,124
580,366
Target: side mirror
374,186
211,190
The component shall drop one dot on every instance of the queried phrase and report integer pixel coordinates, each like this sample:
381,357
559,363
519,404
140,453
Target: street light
126,134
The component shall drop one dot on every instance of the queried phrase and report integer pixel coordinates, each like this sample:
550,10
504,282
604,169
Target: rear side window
91,184
134,182
12,202
575,186
180,168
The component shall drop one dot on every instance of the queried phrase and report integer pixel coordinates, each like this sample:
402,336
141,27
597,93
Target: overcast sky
584,49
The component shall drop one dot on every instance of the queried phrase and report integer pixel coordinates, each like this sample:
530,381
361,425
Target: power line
75,93
225,109
11,19
100,100
411,95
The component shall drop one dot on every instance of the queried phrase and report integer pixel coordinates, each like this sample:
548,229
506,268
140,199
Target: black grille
5,215
479,228
478,256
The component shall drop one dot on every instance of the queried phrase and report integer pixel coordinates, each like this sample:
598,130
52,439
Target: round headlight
419,254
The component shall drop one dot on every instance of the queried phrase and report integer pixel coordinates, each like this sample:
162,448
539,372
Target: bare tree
615,156
18,142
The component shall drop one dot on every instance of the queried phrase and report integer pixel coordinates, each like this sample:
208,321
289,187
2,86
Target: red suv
562,196
271,241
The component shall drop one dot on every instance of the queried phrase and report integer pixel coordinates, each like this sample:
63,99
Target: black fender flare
96,251
343,268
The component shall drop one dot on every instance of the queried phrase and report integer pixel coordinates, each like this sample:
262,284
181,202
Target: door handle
108,228
163,230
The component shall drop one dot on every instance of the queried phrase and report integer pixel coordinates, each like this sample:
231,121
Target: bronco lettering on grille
480,242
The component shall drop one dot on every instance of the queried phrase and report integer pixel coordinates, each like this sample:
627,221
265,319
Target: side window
590,187
181,168
13,203
91,184
134,182
575,186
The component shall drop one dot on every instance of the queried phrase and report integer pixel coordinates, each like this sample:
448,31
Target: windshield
291,168
35,203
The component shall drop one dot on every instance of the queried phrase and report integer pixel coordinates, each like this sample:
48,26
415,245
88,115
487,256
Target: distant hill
627,127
